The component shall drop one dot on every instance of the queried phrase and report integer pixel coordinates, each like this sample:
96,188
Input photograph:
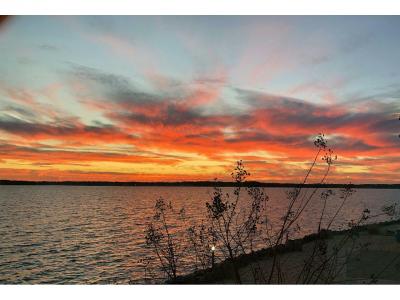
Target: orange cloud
185,135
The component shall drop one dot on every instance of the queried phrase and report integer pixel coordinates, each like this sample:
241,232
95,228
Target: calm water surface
70,234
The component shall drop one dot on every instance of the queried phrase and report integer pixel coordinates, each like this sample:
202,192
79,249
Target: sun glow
178,106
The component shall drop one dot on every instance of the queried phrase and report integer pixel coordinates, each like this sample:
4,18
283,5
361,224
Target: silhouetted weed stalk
161,239
235,223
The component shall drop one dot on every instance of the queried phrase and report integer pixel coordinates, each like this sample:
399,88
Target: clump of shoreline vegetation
237,221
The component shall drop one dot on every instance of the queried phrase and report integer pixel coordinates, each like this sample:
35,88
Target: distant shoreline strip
199,184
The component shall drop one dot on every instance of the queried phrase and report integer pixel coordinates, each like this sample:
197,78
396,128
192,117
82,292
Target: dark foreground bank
374,258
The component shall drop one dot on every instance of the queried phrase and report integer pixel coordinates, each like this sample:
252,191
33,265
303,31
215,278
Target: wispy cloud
255,90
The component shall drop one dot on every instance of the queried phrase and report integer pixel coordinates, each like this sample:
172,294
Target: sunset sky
183,98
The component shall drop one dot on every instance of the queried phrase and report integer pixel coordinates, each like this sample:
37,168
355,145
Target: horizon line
199,183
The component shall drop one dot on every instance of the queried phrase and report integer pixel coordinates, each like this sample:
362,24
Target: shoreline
203,184
223,271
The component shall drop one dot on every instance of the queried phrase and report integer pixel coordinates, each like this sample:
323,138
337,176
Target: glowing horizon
183,98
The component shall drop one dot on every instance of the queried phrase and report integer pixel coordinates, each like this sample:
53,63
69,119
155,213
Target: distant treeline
198,184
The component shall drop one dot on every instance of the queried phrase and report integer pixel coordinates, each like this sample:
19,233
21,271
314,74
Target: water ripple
91,235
